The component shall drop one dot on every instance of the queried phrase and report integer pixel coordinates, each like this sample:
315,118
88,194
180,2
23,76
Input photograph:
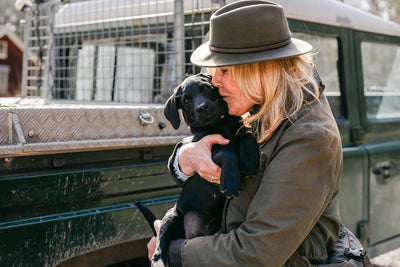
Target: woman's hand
196,157
151,246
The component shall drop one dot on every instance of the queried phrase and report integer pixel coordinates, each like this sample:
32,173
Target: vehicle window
4,71
95,72
326,60
116,70
3,49
139,63
84,73
381,77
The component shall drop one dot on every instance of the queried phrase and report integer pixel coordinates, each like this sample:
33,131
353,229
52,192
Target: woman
288,215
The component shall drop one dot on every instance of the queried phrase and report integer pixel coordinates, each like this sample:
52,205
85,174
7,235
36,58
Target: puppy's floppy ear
172,106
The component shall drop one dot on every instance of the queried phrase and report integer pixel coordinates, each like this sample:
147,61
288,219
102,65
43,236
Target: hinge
15,126
363,232
357,134
147,153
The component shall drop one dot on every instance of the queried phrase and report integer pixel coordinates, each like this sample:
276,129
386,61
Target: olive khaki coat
291,204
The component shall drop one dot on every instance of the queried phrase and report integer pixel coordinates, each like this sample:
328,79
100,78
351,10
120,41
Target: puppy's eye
186,100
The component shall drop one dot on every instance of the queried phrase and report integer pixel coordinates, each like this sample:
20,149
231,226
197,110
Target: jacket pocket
347,252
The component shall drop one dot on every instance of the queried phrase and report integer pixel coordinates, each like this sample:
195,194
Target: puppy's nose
203,107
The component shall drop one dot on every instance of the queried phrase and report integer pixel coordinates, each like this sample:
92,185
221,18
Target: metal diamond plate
71,127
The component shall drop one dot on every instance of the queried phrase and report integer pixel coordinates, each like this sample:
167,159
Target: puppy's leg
201,204
248,155
194,225
226,158
171,229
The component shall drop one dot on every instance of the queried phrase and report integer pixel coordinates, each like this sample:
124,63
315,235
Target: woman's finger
214,139
196,157
151,246
209,170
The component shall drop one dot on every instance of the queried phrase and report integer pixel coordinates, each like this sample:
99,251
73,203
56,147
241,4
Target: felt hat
248,31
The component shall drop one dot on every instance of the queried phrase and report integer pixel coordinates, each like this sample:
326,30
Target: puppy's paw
230,185
249,169
228,192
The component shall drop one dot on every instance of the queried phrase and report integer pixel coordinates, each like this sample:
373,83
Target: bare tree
394,12
10,17
388,9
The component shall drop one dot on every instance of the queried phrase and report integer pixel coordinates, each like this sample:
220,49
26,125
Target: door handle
385,171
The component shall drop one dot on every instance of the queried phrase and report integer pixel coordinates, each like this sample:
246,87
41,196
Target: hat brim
204,57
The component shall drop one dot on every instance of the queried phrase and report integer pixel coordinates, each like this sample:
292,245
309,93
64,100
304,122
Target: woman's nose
216,81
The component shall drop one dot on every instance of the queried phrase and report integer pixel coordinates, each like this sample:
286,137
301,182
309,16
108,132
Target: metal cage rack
133,51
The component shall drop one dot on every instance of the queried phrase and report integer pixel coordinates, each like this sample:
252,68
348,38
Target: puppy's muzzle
206,113
202,108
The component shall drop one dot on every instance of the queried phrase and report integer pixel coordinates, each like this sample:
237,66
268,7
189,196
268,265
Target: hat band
250,49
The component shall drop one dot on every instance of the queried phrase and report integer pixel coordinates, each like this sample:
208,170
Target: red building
11,52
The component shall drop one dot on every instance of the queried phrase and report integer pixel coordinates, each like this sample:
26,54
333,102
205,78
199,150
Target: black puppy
206,113
199,208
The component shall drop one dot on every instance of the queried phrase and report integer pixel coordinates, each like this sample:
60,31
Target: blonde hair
278,88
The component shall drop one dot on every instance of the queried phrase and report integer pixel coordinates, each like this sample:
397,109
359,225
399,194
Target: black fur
198,211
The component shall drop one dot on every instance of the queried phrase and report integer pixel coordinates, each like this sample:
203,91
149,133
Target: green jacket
291,204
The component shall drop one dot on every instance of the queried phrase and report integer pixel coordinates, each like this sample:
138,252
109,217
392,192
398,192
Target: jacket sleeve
299,183
171,165
172,159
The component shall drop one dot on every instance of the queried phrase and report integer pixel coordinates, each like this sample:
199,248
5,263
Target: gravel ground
389,259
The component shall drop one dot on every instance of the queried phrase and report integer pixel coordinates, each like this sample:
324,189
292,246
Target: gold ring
212,179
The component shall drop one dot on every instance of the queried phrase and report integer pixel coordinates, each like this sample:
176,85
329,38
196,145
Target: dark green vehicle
74,158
